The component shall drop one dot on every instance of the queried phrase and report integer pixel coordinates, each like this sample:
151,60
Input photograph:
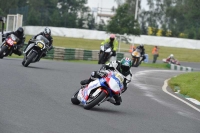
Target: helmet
47,32
141,45
126,64
20,31
112,37
171,55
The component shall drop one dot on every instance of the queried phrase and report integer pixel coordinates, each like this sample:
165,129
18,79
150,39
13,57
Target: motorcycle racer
47,34
123,66
141,47
20,34
113,43
171,57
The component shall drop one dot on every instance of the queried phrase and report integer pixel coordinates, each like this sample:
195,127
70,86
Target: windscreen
45,40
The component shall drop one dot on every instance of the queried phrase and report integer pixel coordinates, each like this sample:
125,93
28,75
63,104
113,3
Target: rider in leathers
20,34
141,47
123,66
47,34
112,41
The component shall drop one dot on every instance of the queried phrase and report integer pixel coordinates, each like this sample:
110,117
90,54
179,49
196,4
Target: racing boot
17,52
118,100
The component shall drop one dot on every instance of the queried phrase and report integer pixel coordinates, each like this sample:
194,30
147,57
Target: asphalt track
36,99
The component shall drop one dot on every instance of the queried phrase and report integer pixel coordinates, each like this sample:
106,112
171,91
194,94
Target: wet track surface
36,99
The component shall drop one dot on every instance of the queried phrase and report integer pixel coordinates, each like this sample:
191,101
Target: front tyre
137,63
3,49
74,99
91,102
100,58
29,59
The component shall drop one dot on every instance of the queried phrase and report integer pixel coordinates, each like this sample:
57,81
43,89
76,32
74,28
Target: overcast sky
108,3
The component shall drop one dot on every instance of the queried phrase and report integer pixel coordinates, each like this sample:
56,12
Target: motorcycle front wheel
3,49
93,101
101,55
74,99
137,63
29,59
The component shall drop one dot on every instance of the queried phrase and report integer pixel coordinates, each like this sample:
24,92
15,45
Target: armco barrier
180,68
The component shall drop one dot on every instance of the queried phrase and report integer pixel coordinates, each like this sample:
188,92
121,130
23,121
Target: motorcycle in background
8,45
35,51
105,54
99,90
172,61
136,57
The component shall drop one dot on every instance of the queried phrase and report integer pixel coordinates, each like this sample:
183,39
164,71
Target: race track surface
36,99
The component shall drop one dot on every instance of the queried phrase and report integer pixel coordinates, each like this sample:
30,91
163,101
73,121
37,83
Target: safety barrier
180,68
60,53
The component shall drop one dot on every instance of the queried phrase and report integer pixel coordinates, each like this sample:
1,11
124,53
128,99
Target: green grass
83,61
182,54
189,84
155,65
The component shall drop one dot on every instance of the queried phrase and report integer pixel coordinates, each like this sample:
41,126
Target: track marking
143,73
164,88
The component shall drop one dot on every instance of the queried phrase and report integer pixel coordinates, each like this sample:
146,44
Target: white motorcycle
105,54
35,50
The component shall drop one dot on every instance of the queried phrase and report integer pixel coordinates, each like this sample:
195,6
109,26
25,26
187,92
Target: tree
123,22
70,10
177,16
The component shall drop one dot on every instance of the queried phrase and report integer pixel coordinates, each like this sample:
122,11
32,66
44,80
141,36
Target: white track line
164,88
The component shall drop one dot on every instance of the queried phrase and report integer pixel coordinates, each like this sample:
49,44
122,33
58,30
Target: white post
119,43
14,24
136,8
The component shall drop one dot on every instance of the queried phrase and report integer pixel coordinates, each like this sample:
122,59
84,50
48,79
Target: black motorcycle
105,54
36,49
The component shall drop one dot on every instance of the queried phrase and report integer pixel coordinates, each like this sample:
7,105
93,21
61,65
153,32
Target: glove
102,73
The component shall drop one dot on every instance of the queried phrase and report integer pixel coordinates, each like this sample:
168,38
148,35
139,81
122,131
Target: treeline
174,18
59,13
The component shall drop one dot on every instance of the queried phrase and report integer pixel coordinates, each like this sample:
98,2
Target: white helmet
171,55
141,45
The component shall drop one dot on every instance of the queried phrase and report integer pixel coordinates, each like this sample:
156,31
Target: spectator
155,53
132,48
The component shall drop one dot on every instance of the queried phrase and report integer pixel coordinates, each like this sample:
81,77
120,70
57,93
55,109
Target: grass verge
189,84
161,65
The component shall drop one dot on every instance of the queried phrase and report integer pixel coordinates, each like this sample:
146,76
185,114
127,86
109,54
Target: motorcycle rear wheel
94,101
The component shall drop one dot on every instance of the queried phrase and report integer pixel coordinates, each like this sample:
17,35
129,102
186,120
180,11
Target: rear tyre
29,59
74,99
91,102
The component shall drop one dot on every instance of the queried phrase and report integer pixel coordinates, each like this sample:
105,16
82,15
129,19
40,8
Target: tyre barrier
180,68
60,53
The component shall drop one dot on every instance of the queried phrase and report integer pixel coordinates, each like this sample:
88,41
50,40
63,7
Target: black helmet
47,32
20,31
